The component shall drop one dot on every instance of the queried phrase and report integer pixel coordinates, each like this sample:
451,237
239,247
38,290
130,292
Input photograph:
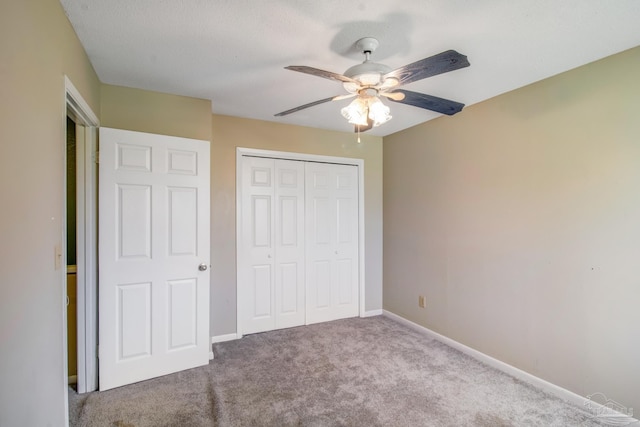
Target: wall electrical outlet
421,301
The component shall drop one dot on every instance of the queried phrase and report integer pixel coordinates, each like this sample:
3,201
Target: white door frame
241,152
86,234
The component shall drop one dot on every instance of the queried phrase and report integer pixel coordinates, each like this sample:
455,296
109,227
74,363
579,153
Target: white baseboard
372,313
562,393
223,338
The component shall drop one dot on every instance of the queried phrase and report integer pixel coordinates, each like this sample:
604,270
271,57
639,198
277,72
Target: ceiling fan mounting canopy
367,44
368,80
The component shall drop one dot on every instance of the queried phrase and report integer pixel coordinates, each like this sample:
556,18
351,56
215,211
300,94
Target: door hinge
96,157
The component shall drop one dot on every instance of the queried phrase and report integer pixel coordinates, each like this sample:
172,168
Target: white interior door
271,261
154,235
331,241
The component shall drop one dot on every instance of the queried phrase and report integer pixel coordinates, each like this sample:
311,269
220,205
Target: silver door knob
203,267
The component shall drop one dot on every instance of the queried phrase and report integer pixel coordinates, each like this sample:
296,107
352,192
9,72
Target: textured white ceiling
233,51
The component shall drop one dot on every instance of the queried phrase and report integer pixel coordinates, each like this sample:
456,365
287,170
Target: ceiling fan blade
363,128
345,96
396,96
429,102
314,103
437,64
321,73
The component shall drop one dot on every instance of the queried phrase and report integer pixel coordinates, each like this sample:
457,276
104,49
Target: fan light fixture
365,108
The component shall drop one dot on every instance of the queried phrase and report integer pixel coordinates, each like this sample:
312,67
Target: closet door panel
331,241
344,278
289,241
346,201
289,293
256,275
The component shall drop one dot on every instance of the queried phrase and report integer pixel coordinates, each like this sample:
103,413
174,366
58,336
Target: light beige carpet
353,372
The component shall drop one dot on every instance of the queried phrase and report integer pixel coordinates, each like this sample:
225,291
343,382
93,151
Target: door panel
345,218
344,279
154,233
288,221
332,242
262,291
134,158
322,275
134,320
133,221
261,221
182,299
271,265
255,265
182,162
289,290
182,231
321,215
289,243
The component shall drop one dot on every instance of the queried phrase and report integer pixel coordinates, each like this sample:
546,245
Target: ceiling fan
369,81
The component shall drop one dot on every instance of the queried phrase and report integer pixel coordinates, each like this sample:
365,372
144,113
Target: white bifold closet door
298,250
271,262
331,241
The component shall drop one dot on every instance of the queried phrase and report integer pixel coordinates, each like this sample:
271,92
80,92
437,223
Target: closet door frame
242,152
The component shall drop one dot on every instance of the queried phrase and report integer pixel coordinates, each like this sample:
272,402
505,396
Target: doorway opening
80,236
72,324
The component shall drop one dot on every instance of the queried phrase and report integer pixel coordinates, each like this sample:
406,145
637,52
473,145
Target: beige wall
231,132
153,112
37,48
519,220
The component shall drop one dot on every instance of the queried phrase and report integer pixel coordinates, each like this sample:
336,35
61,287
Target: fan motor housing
367,74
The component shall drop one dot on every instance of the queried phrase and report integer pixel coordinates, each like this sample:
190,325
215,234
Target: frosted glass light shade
378,112
356,112
362,108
